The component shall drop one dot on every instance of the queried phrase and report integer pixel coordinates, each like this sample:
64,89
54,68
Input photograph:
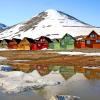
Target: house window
88,42
92,35
97,41
43,40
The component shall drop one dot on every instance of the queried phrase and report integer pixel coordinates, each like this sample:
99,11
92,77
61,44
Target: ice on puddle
17,81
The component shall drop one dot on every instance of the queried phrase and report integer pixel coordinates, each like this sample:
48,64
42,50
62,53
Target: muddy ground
28,59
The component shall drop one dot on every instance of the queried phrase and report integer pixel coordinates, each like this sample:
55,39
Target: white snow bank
3,49
2,58
97,67
17,81
79,53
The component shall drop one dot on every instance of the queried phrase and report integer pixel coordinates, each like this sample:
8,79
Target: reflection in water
79,81
89,72
65,71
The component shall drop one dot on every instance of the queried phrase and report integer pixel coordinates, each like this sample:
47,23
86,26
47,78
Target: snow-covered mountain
50,23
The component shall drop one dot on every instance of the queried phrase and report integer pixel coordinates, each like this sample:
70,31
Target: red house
92,40
34,46
43,42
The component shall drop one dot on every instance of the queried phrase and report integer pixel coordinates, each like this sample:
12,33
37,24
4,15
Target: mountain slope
51,23
2,26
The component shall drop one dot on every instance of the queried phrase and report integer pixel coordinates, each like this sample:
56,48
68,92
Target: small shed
67,42
3,44
24,44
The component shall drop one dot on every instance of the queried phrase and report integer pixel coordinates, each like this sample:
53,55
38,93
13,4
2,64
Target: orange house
13,44
92,40
80,42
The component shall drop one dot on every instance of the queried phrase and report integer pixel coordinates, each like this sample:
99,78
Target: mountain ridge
49,22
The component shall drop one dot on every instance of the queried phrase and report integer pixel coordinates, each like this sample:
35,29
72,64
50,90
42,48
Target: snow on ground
79,53
3,49
17,81
2,58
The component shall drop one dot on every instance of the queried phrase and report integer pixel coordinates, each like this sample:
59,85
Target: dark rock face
34,21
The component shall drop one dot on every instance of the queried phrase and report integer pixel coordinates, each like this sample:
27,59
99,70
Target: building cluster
66,42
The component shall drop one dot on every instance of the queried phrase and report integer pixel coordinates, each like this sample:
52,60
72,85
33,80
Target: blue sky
16,11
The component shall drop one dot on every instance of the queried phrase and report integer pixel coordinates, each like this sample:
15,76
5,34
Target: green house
67,42
55,44
3,44
64,42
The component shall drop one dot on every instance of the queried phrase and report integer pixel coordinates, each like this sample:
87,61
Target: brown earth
34,58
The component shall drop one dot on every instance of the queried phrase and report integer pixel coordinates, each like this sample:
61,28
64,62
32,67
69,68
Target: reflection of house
79,69
42,69
92,73
93,40
89,72
67,71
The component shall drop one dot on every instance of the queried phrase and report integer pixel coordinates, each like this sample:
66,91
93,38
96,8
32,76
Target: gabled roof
68,36
17,40
48,39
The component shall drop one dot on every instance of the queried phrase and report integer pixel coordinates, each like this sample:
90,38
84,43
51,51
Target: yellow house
24,44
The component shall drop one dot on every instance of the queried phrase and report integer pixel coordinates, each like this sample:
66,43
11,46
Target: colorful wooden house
3,44
43,42
24,44
67,42
63,42
92,40
80,42
34,46
13,44
54,44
